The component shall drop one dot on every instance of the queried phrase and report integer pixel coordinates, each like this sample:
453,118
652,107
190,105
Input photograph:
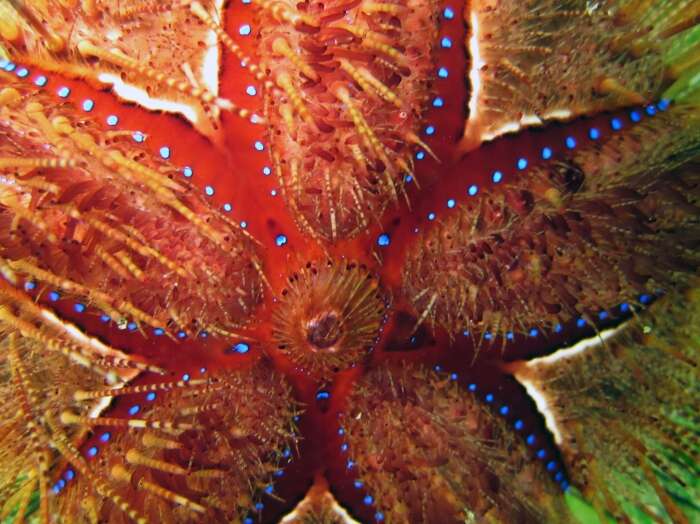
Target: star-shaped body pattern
349,261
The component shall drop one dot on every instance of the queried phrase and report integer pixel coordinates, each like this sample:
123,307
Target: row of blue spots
531,440
269,489
367,499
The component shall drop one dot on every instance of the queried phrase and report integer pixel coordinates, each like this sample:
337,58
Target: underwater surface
349,261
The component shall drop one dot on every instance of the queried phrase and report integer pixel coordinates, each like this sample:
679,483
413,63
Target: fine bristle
627,411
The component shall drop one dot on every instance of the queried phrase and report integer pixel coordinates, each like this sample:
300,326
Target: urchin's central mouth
323,331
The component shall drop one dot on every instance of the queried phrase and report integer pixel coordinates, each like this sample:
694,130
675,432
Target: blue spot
448,13
259,146
443,72
164,152
473,190
40,81
430,130
187,171
56,489
350,464
593,133
133,410
663,105
112,120
603,315
522,163
158,332
645,299
104,318
323,395
408,179
559,476
438,368
92,451
248,520
635,116
151,396
472,387
105,436
509,335
208,190
497,176
9,66
570,142
3,63
504,410
23,72
88,105
269,489
228,207
359,484
343,447
547,153
266,171
651,110
616,124
530,440
451,203
79,308
489,398
438,102
202,370
488,336
383,240
551,465
420,155
287,453
558,328
251,90
244,30
368,500
28,286
454,376
280,240
244,224
241,348
518,425
63,92
278,473
341,431
186,377
70,474
541,454
446,42
61,483
431,216
580,322
132,326
259,506
564,486
181,334
624,307
138,137
534,332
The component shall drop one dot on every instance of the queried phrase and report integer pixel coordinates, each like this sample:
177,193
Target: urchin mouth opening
324,331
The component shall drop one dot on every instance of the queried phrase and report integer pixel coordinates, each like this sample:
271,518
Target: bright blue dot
518,425
570,142
473,190
104,318
273,192
408,179
186,377
635,116
228,207
438,368
151,396
472,387
558,328
259,146
40,81
88,105
92,451
187,171
23,72
509,335
133,410
489,398
259,506
202,370
534,332
547,153
541,454
139,137
112,120
430,130
488,336
28,286
61,483
79,308
181,334
3,63
350,464
438,102
624,307
164,152
504,410
420,155
443,72
105,436
280,240
448,13
497,176
341,431
244,30
551,465
70,474
241,348
580,322
559,476
248,520
9,66
287,453
209,191
603,315
454,376
616,124
383,240
446,42
451,203
530,440
645,299
358,484
593,133
251,90
244,224
663,105
431,216
368,500
266,171
269,489
343,447
278,473
522,163
132,326
158,332
651,110
56,489
323,395
63,92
